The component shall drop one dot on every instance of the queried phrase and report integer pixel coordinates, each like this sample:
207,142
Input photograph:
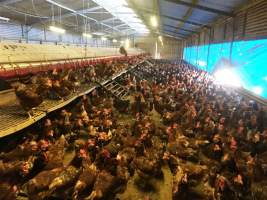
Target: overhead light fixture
99,33
57,29
160,38
127,43
154,21
114,41
122,42
87,35
104,39
4,18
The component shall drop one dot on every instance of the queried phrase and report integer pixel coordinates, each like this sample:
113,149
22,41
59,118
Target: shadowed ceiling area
182,18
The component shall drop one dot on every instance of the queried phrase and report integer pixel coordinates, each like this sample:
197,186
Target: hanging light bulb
53,26
127,43
87,35
161,40
104,39
98,33
4,18
154,21
57,29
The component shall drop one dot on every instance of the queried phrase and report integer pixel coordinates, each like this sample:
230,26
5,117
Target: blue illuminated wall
248,59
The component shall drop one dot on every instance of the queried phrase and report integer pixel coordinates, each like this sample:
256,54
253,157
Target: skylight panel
120,10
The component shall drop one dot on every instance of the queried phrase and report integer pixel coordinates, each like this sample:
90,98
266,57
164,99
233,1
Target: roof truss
183,29
200,7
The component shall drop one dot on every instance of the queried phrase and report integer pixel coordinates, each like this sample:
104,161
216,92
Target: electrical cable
35,11
23,12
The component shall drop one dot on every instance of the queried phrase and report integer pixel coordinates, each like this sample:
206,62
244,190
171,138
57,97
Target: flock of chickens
59,84
198,136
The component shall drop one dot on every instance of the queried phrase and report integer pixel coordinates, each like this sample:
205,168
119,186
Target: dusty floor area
158,189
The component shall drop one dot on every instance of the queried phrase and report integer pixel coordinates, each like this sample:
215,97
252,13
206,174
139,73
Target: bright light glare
103,38
4,18
154,21
87,35
161,40
99,33
114,40
122,42
127,43
202,63
120,10
257,90
227,77
57,29
265,78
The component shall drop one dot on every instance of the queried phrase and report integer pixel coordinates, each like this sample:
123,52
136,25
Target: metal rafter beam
200,7
127,29
118,26
106,31
9,2
142,10
108,19
80,14
121,25
172,36
93,28
82,11
183,29
185,21
174,32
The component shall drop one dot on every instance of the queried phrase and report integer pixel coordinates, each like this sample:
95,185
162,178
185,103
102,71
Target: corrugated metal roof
172,9
226,5
183,14
75,15
203,17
